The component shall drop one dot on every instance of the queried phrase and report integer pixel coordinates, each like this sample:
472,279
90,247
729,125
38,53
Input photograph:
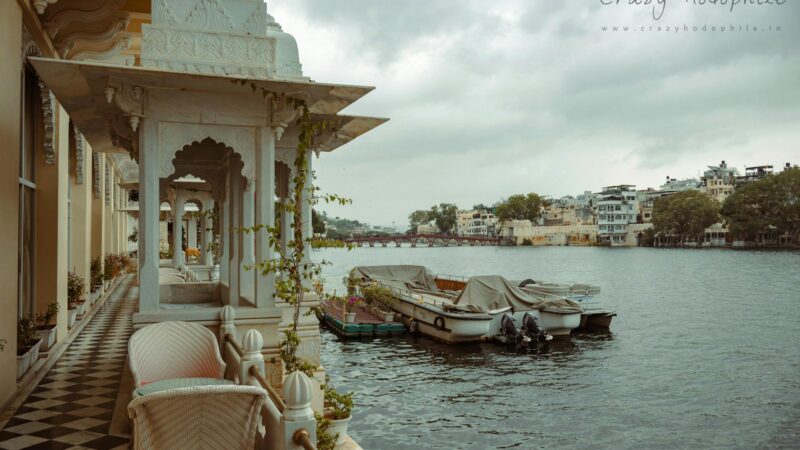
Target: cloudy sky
488,99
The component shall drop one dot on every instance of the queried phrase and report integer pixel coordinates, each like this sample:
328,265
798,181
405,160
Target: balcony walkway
74,405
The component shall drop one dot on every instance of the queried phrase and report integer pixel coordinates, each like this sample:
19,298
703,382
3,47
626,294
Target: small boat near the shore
467,310
596,314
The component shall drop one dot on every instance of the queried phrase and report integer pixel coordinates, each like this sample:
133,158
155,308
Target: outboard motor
511,333
533,330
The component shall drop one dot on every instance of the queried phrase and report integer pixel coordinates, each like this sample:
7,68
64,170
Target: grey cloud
543,100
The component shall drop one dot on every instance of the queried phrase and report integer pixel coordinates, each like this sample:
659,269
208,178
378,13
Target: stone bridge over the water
432,240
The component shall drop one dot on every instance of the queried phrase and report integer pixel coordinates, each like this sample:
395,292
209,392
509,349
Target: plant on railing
376,294
76,287
337,406
96,272
111,266
192,252
45,319
26,333
352,302
134,236
325,440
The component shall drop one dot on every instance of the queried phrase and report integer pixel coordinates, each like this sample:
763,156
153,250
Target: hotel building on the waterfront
616,207
475,223
175,103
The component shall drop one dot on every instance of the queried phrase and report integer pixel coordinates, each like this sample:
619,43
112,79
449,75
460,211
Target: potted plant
350,305
27,345
72,316
45,327
110,269
338,409
75,290
96,274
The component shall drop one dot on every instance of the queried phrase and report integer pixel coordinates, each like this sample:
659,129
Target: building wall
64,223
521,230
10,44
51,263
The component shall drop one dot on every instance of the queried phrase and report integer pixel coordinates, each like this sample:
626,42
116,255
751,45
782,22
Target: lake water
704,353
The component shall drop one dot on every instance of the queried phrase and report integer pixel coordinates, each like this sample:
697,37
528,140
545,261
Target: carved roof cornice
49,123
80,149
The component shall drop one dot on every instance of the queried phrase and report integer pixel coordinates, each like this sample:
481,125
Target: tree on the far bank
417,218
317,222
445,217
685,214
773,201
521,207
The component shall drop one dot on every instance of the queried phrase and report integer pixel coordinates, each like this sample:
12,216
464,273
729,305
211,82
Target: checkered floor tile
72,406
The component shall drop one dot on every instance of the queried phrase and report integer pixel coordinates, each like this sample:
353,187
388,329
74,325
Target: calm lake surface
704,353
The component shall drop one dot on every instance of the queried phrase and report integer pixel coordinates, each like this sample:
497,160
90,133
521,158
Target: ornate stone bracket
49,121
107,184
80,144
96,174
29,47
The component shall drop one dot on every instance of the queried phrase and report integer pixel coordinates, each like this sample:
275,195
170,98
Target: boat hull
440,325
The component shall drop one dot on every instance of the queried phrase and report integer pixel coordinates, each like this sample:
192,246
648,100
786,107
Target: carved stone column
177,231
192,232
247,279
149,211
224,240
234,208
208,232
265,214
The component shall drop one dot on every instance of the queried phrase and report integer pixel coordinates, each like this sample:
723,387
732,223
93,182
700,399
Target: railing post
298,414
251,346
226,326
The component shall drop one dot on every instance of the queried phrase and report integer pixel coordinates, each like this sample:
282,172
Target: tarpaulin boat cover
492,292
481,294
408,277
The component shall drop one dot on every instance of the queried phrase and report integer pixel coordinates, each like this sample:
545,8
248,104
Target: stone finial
252,343
227,314
298,395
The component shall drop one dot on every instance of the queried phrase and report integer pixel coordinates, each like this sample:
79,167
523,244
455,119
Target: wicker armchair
207,417
174,350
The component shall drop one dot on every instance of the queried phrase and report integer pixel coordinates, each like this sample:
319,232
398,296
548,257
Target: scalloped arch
173,137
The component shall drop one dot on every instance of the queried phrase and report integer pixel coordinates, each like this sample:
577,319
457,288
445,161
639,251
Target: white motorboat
465,310
595,313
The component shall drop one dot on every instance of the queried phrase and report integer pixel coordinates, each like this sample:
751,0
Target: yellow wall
10,44
81,204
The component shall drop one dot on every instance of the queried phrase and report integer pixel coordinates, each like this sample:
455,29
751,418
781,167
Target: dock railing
414,296
287,422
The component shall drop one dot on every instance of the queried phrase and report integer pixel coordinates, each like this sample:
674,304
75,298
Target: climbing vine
299,275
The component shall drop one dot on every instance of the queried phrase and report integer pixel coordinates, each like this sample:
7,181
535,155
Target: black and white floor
74,404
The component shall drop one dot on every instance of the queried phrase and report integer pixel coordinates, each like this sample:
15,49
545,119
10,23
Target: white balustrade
288,423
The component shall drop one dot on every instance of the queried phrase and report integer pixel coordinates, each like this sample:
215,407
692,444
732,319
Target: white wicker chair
207,417
174,350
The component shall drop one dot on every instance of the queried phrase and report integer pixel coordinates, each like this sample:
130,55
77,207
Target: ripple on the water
704,354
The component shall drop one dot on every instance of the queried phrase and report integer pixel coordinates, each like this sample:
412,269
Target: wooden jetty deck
366,324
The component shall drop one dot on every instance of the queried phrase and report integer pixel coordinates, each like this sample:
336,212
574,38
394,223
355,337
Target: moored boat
596,315
465,310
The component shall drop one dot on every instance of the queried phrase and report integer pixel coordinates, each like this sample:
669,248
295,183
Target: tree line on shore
444,215
770,206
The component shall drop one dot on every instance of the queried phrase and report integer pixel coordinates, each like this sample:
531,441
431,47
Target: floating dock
366,324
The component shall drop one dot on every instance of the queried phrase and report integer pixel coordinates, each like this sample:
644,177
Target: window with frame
30,139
